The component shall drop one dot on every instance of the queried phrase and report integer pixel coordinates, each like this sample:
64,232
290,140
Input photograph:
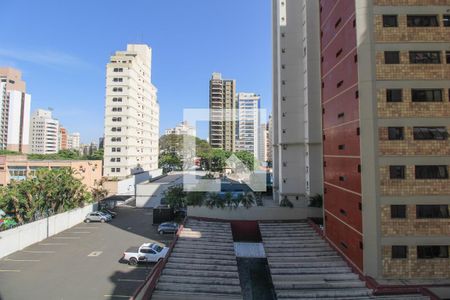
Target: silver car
97,216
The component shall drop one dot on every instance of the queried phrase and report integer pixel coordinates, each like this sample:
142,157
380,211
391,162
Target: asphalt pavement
82,262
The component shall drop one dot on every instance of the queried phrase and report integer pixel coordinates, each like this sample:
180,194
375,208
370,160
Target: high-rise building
63,138
131,114
14,111
385,92
248,123
101,142
44,132
385,84
73,141
296,108
184,128
262,149
269,145
222,105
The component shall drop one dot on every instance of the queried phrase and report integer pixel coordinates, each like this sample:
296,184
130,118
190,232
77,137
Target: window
117,99
432,211
422,21
391,57
431,172
394,95
341,115
390,21
399,252
116,139
446,19
117,119
428,95
430,133
395,133
398,211
341,147
426,252
116,129
397,172
447,57
118,79
116,89
425,57
118,70
117,109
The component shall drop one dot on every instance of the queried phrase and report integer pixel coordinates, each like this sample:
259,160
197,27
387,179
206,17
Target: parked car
97,216
168,227
147,252
109,212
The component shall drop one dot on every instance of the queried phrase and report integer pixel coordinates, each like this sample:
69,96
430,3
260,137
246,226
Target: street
81,262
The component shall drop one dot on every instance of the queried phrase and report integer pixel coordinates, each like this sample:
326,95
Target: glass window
428,95
431,172
430,133
425,57
446,20
422,21
395,133
431,211
397,172
390,21
398,211
394,95
447,57
391,57
425,252
399,252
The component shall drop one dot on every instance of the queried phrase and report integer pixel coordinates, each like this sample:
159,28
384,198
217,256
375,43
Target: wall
258,213
18,238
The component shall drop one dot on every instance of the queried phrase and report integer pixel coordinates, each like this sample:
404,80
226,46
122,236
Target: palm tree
228,199
99,192
195,198
248,200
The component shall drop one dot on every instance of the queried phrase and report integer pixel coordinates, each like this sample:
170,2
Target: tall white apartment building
131,114
184,128
73,141
263,135
44,132
14,111
248,133
297,136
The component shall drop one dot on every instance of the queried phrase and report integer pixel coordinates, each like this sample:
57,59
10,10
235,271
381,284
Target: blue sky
62,48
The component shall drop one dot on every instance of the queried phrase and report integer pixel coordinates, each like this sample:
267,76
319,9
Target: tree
195,198
97,155
175,197
247,158
170,161
228,199
248,200
214,200
99,192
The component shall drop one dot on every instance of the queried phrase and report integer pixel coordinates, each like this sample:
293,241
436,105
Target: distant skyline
64,53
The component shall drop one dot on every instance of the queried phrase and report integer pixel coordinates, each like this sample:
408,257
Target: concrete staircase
304,266
202,265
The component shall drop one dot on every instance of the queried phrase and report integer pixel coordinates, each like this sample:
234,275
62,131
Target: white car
147,252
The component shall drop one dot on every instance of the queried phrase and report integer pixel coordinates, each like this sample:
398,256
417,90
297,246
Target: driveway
81,262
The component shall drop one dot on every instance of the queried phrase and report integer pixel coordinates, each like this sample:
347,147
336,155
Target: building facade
385,79
296,113
248,123
15,106
19,167
44,132
269,144
184,128
222,105
262,150
63,139
73,141
131,114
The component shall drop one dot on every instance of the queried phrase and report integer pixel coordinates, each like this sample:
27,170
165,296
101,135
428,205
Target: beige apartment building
131,114
222,105
19,167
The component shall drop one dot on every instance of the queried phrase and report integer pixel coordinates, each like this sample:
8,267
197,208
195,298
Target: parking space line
67,237
16,271
117,296
38,251
20,260
53,244
131,280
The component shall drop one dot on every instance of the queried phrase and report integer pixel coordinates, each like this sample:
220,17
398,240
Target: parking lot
81,262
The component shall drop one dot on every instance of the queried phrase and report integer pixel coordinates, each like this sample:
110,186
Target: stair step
309,285
313,277
199,288
230,257
177,295
335,270
331,258
202,261
330,294
206,267
201,274
202,251
308,264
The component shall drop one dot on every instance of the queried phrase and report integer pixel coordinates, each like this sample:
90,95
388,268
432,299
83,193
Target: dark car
109,212
168,227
